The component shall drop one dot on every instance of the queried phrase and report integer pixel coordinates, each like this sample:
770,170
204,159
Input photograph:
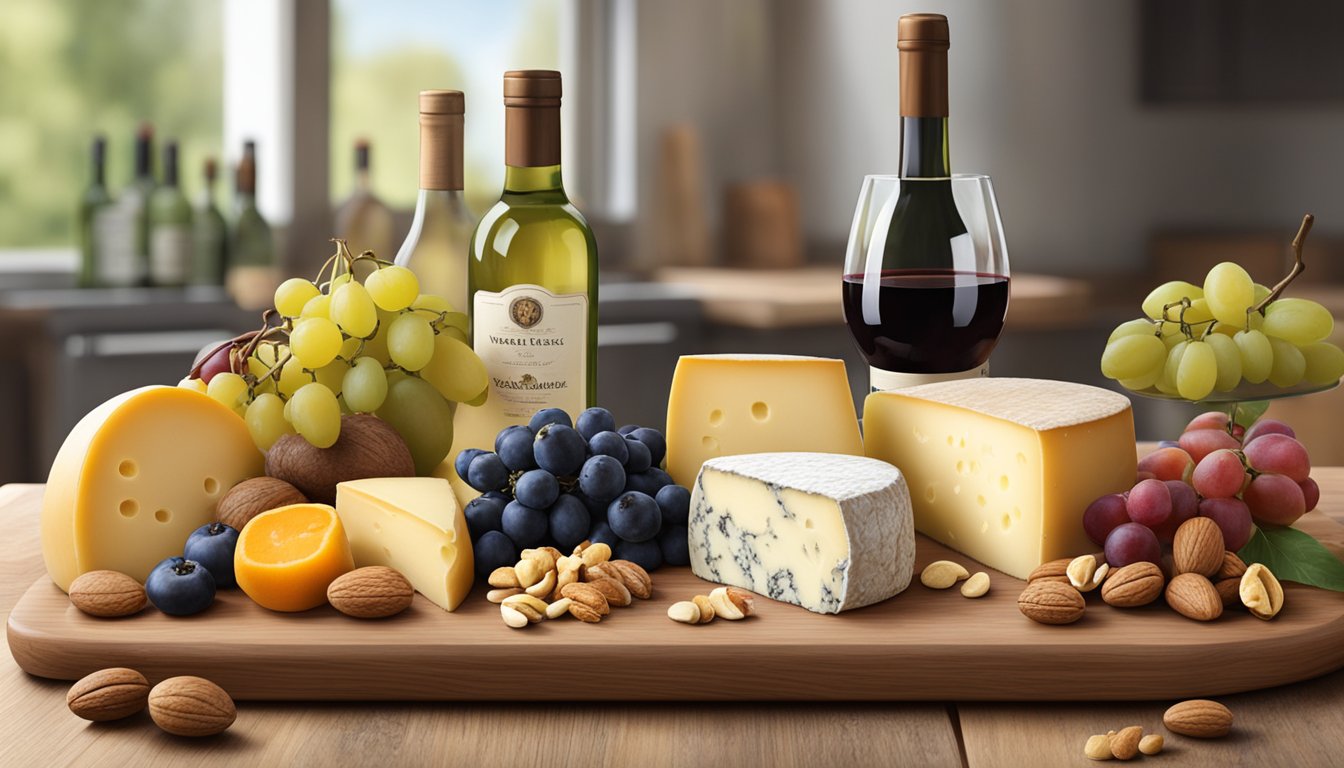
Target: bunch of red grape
1233,476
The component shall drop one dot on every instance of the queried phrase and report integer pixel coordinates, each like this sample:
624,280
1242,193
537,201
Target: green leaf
1292,555
1246,413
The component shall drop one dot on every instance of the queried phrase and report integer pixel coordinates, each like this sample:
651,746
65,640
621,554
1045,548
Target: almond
586,596
1194,597
1125,744
191,706
1198,547
743,600
1200,718
1055,570
706,608
1133,585
1233,566
250,498
107,594
635,578
614,591
1229,590
372,592
108,694
1049,602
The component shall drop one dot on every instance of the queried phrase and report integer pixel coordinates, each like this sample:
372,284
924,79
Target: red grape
1311,492
1132,543
1220,475
1201,442
1184,505
1281,455
217,362
1267,427
1140,476
1149,503
1168,464
1275,499
1233,519
1208,420
1103,515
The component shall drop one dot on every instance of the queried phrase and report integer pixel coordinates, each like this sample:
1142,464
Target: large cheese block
1002,469
413,525
725,405
136,476
823,531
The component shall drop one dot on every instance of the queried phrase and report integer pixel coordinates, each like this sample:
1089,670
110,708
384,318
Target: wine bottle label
115,247
534,344
170,250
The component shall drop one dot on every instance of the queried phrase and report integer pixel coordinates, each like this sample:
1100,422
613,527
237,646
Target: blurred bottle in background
209,234
94,199
363,221
170,237
252,275
121,231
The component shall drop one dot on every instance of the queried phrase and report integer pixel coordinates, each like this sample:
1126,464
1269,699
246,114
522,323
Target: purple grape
1233,518
1101,517
1184,505
1132,543
1149,503
1266,427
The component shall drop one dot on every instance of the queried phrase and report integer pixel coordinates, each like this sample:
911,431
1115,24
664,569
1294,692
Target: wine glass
926,278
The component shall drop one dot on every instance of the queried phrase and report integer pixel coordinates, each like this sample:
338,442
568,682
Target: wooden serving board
922,645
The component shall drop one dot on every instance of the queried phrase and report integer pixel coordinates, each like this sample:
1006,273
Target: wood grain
922,645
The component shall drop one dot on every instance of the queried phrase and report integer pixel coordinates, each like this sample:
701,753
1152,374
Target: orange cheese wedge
287,557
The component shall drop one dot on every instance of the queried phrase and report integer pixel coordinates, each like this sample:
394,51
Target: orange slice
287,557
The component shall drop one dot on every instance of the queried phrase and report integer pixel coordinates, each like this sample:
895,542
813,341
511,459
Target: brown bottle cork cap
442,103
441,132
532,88
922,32
923,42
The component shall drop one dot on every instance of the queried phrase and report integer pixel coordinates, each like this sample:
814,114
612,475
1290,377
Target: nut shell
1233,566
367,447
108,694
1194,597
1200,718
107,594
1260,591
191,706
251,497
372,592
1049,602
1229,590
1055,570
1198,547
1134,585
586,596
635,578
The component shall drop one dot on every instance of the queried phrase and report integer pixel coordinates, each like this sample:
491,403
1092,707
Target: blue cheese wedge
824,531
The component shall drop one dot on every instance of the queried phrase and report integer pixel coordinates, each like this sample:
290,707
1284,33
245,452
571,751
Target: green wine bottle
121,231
252,274
170,239
94,199
209,234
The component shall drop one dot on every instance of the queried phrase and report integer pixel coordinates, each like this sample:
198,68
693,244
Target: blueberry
525,525
569,522
180,587
514,446
650,481
654,440
536,488
602,478
640,458
484,513
548,416
635,516
674,545
463,461
594,421
609,444
212,546
646,554
487,473
602,533
560,450
501,495
627,429
675,504
494,550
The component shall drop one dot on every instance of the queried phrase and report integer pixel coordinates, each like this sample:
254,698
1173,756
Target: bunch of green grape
343,346
1198,340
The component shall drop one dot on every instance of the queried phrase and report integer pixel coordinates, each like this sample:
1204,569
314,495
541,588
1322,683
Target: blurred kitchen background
716,145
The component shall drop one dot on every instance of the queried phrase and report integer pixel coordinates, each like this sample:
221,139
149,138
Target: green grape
196,385
454,333
1230,292
315,341
1325,362
293,295
316,415
376,347
410,341
1172,365
1299,321
456,372
422,417
266,421
457,321
318,306
1169,293
1289,363
1197,372
353,310
1261,293
292,377
229,389
1226,330
1133,328
1133,357
1257,356
432,302
332,376
1228,358
1255,321
1198,312
1172,334
478,400
393,288
364,386
1142,383
338,281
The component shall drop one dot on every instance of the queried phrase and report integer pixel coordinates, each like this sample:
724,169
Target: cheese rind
822,531
136,476
412,525
725,405
1002,469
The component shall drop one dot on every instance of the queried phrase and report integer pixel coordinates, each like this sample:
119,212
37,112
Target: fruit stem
1298,266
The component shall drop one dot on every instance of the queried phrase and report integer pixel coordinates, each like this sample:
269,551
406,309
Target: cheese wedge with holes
823,531
1002,469
412,525
725,405
136,476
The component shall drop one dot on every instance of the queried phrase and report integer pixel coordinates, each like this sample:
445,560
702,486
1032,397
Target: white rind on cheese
1041,404
823,531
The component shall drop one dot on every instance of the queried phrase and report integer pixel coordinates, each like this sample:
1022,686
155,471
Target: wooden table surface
1295,725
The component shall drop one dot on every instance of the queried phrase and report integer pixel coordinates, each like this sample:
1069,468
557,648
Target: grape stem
1298,266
